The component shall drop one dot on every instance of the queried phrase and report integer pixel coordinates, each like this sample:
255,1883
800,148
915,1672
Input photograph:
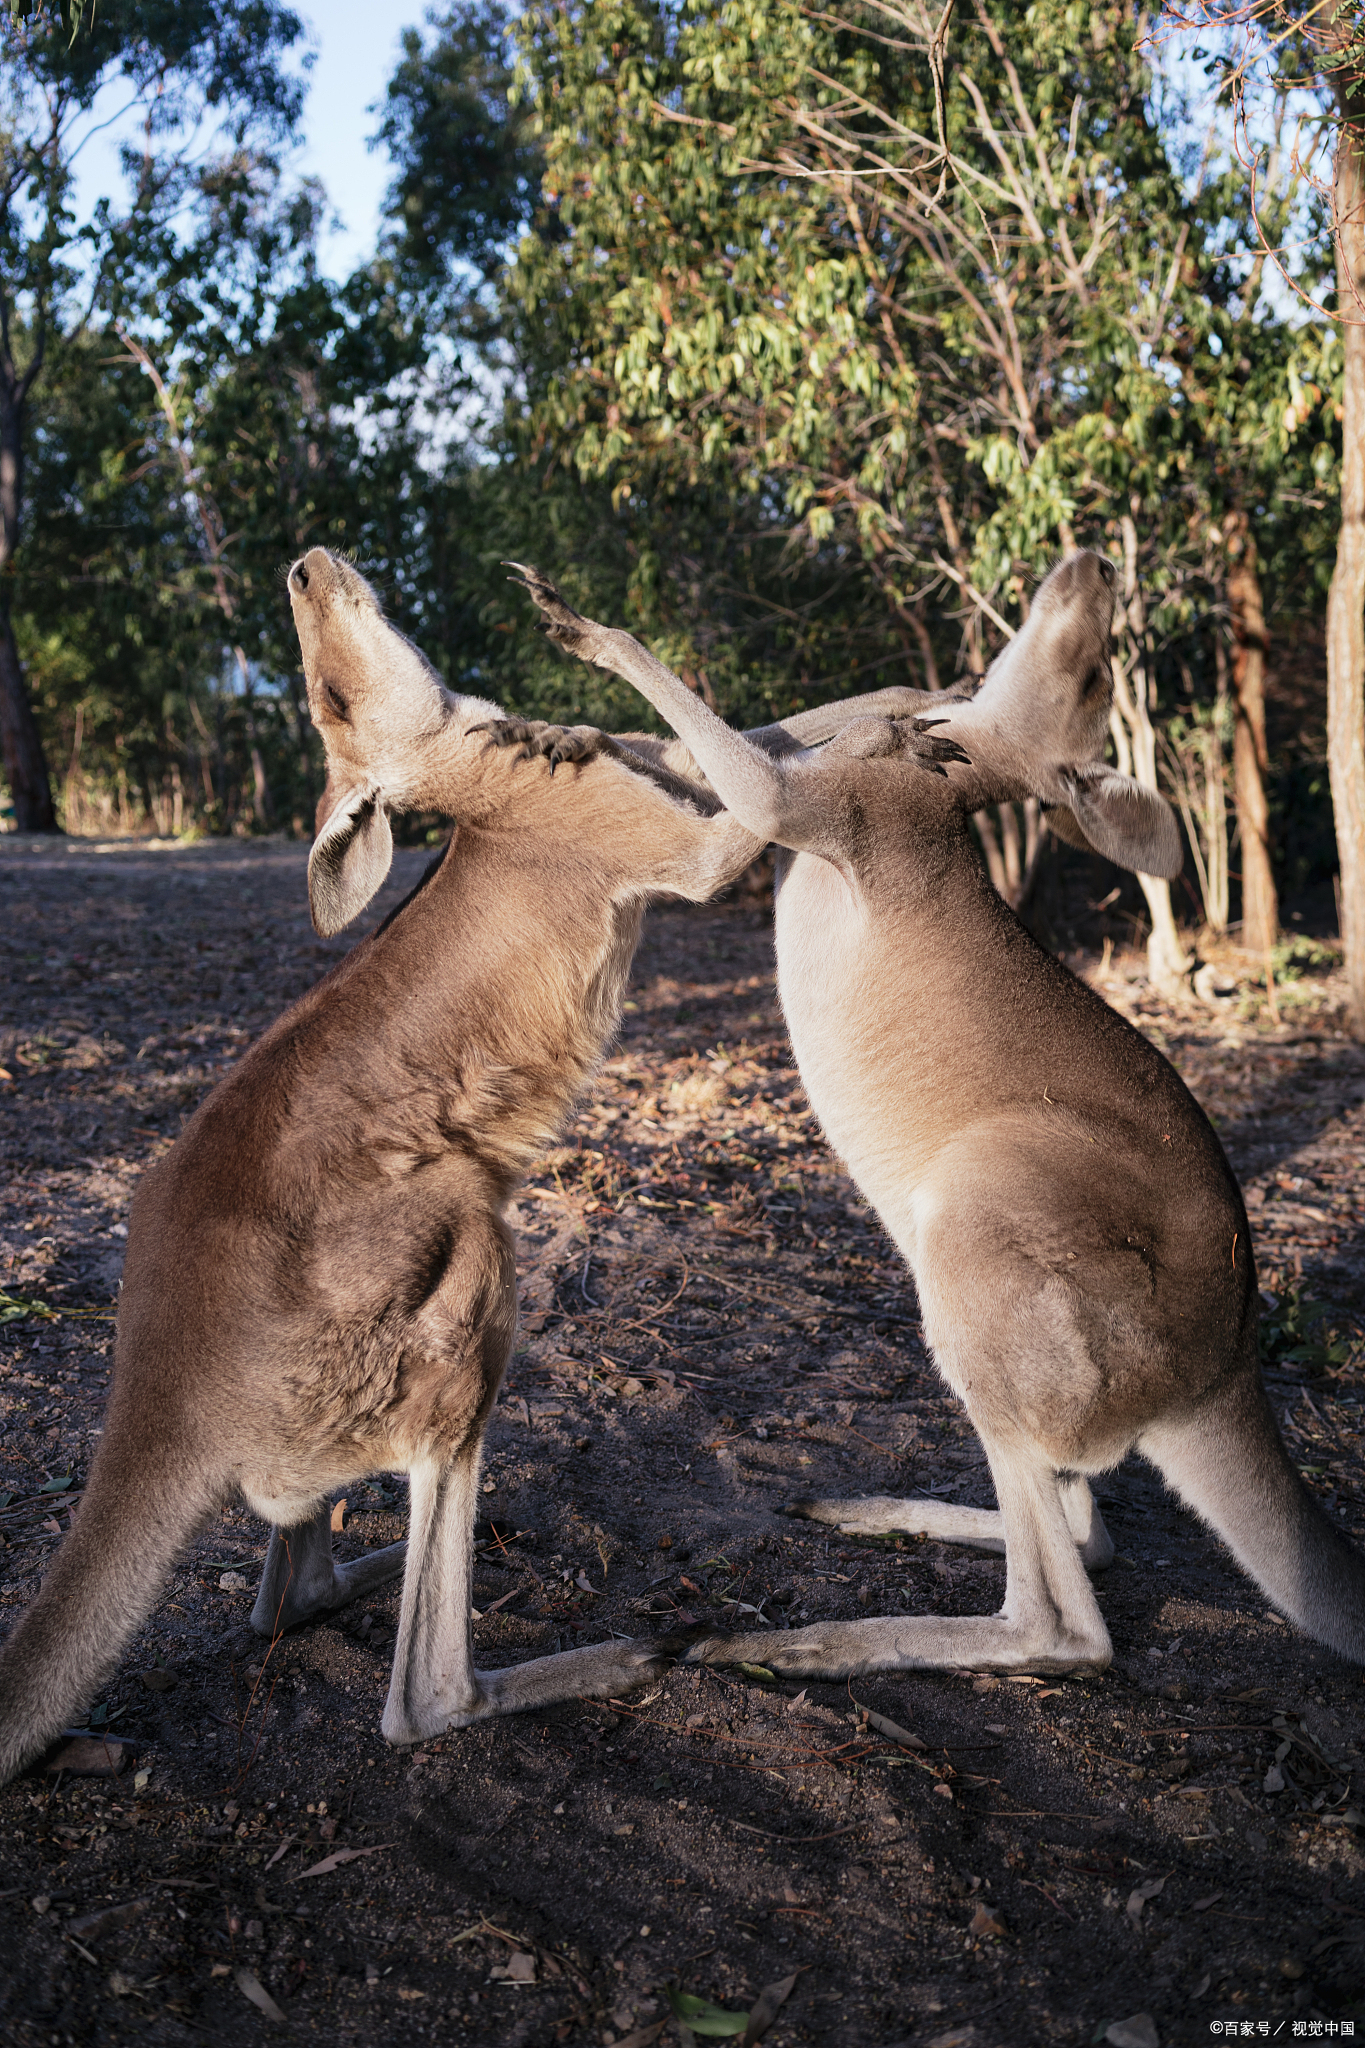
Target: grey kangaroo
1077,1239
319,1281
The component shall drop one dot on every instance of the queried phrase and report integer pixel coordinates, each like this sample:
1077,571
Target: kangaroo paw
566,627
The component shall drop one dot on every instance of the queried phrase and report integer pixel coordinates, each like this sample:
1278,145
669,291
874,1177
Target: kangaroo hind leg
302,1578
885,1514
435,1685
1050,1622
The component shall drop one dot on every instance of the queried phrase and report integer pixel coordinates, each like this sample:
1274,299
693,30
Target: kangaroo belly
854,1037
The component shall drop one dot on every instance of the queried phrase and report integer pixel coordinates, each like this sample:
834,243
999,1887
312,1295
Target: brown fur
319,1281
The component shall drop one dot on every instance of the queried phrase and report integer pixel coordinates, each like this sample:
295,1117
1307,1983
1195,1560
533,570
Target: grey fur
1079,1244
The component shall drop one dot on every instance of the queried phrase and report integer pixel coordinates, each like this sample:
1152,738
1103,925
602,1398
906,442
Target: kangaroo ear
1117,817
351,856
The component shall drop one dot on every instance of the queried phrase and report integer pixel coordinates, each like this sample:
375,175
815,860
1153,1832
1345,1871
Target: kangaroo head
1047,699
378,704
1050,689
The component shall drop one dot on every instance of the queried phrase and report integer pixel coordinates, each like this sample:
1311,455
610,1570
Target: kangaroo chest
853,1026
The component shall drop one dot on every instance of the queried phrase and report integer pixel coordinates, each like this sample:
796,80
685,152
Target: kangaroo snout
320,576
1085,580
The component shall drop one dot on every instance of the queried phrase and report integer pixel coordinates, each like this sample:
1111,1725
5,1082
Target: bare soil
712,1321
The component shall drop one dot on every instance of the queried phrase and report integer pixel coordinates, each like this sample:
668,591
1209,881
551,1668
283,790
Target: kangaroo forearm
785,735
809,728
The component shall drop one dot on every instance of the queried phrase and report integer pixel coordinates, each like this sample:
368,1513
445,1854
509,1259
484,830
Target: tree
1273,51
1346,601
235,409
181,59
937,342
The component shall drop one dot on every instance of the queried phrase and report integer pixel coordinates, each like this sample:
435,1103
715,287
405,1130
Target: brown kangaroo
1079,1244
319,1281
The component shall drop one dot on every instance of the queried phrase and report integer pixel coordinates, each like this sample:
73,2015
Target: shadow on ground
712,1321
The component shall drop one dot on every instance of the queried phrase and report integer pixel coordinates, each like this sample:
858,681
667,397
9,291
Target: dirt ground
712,1321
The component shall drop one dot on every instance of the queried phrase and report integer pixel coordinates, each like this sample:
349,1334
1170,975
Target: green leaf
759,1671
702,2017
60,1485
15,1307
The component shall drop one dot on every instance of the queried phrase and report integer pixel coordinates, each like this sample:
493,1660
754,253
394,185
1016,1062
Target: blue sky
357,48
356,45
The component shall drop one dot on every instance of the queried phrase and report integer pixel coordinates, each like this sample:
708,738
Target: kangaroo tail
1229,1463
136,1515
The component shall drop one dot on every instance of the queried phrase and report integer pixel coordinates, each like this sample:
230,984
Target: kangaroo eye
336,702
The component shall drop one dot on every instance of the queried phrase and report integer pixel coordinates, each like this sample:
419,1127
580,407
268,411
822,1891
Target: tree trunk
1250,760
1130,722
1346,599
25,764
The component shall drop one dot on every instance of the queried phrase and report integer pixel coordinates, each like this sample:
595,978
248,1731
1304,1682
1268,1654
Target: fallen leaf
1202,1905
340,1856
956,2037
51,1526
701,2017
892,1730
767,2006
499,1603
642,2037
406,1991
758,1671
250,1986
1273,1780
61,1485
1137,1900
90,1756
339,1517
121,1986
521,1967
93,1926
1137,2032
157,1681
986,1920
